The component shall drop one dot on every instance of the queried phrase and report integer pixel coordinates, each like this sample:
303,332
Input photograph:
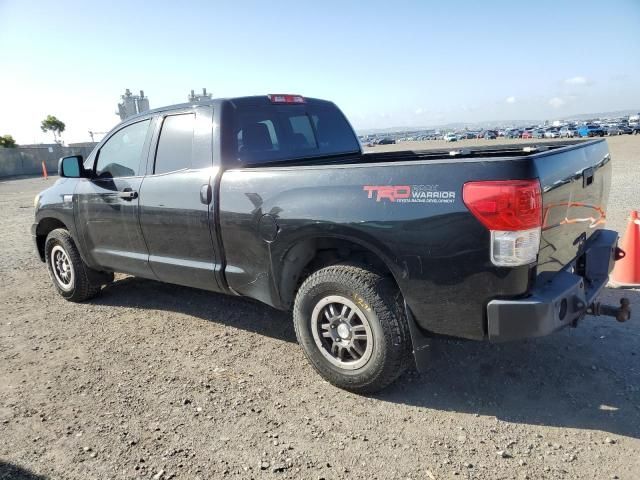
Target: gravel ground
157,381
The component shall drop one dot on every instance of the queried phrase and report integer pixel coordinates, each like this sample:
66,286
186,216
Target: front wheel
351,325
68,272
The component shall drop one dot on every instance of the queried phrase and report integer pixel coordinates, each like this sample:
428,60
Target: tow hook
621,313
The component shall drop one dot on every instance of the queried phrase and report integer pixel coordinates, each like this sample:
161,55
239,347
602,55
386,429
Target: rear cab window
267,133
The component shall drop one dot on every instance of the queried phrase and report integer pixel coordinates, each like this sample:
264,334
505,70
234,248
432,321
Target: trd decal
390,192
409,193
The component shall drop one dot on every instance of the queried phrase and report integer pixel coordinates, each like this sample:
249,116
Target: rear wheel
351,325
68,272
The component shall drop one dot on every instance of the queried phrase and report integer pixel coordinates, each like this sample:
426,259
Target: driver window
120,156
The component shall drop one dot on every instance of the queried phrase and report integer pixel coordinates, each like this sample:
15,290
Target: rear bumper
558,299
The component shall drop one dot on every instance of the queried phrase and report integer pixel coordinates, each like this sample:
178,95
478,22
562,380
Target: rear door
107,215
177,201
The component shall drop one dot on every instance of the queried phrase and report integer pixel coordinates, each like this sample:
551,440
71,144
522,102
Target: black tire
59,248
379,302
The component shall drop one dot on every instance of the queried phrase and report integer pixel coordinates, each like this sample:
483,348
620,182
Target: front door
108,203
177,201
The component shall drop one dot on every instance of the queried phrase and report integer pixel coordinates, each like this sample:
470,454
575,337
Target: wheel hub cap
61,268
342,332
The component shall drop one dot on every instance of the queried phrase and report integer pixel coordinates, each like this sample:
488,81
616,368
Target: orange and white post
44,171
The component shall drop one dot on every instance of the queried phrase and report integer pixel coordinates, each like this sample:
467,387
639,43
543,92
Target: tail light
285,98
512,211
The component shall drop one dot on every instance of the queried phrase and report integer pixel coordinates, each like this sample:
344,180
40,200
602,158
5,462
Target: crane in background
92,133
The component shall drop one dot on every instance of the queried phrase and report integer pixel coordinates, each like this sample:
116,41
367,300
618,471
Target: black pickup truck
271,197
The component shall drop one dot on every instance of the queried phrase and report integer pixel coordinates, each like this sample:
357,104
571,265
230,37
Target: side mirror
71,167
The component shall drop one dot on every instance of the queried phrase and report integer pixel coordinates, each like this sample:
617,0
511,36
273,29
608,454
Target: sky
385,64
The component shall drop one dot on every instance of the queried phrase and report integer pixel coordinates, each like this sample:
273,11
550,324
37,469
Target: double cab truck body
271,197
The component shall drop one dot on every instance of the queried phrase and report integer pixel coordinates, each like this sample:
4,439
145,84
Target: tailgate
575,188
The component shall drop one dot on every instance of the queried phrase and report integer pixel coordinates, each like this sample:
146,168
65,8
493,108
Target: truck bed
463,152
449,155
572,203
570,210
435,248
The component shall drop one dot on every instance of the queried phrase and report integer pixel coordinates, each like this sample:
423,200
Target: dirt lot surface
157,381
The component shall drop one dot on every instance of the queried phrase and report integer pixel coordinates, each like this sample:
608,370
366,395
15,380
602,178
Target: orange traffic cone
626,273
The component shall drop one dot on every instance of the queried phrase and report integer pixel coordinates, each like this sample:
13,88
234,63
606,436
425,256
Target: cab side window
175,145
120,155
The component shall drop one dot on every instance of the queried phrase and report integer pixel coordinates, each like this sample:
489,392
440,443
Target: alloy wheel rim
342,332
62,268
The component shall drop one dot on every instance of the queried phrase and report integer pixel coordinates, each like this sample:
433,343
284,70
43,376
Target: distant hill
615,114
494,123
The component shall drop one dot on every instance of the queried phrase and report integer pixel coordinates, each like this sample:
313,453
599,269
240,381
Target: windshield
272,133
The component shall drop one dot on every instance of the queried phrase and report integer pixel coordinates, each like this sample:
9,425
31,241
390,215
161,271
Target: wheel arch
45,226
307,255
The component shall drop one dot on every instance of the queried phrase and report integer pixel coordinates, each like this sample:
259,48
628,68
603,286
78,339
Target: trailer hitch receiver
621,313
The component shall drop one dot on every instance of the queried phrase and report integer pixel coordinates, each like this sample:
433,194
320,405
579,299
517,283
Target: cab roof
255,100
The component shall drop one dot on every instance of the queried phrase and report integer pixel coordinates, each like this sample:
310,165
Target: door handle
205,194
128,195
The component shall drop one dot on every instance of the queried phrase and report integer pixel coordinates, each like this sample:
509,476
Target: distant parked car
450,137
515,133
490,135
527,134
635,129
471,135
552,133
591,131
568,132
386,141
614,131
537,134
626,129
